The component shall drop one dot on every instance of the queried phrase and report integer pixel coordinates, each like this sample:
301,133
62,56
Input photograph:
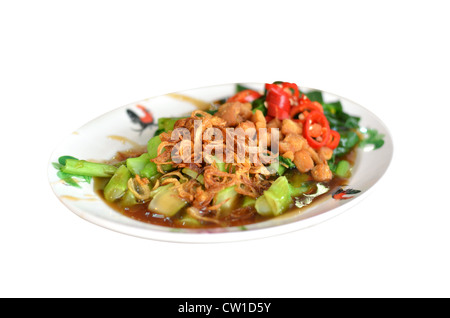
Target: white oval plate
115,131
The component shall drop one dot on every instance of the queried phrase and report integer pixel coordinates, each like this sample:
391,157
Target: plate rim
178,236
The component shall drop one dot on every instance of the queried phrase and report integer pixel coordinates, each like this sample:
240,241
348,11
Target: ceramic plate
132,125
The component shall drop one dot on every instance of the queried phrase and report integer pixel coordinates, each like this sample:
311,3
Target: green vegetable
230,196
158,132
117,185
86,168
153,193
128,199
259,104
222,166
343,169
213,111
167,123
189,221
281,170
152,147
277,197
149,171
315,96
152,150
135,165
240,88
167,202
286,161
262,206
338,119
296,178
194,175
299,190
299,183
62,160
281,166
276,168
142,166
348,140
372,137
248,201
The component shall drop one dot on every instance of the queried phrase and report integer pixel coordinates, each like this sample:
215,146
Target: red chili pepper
245,96
292,89
278,102
333,142
319,118
305,105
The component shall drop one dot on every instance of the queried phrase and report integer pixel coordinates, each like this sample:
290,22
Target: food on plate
252,156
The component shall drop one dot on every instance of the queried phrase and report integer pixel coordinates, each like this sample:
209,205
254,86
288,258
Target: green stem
86,168
117,185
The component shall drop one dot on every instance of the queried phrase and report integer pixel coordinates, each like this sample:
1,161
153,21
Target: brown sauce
239,217
141,213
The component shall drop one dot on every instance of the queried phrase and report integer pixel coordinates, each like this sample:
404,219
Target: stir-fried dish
250,157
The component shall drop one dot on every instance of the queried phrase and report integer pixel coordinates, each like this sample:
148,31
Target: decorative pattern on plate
144,121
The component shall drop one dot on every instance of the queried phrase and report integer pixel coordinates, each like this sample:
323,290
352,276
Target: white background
64,63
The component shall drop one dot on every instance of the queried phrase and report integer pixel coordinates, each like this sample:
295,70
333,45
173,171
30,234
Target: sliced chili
278,101
292,89
305,105
318,118
245,96
333,141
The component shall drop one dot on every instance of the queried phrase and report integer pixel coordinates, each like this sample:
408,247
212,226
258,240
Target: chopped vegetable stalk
281,170
135,165
222,166
299,183
117,185
149,171
297,179
152,150
128,199
152,147
296,191
167,202
343,169
167,123
86,168
277,197
248,201
194,175
263,207
228,197
154,192
188,221
142,166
